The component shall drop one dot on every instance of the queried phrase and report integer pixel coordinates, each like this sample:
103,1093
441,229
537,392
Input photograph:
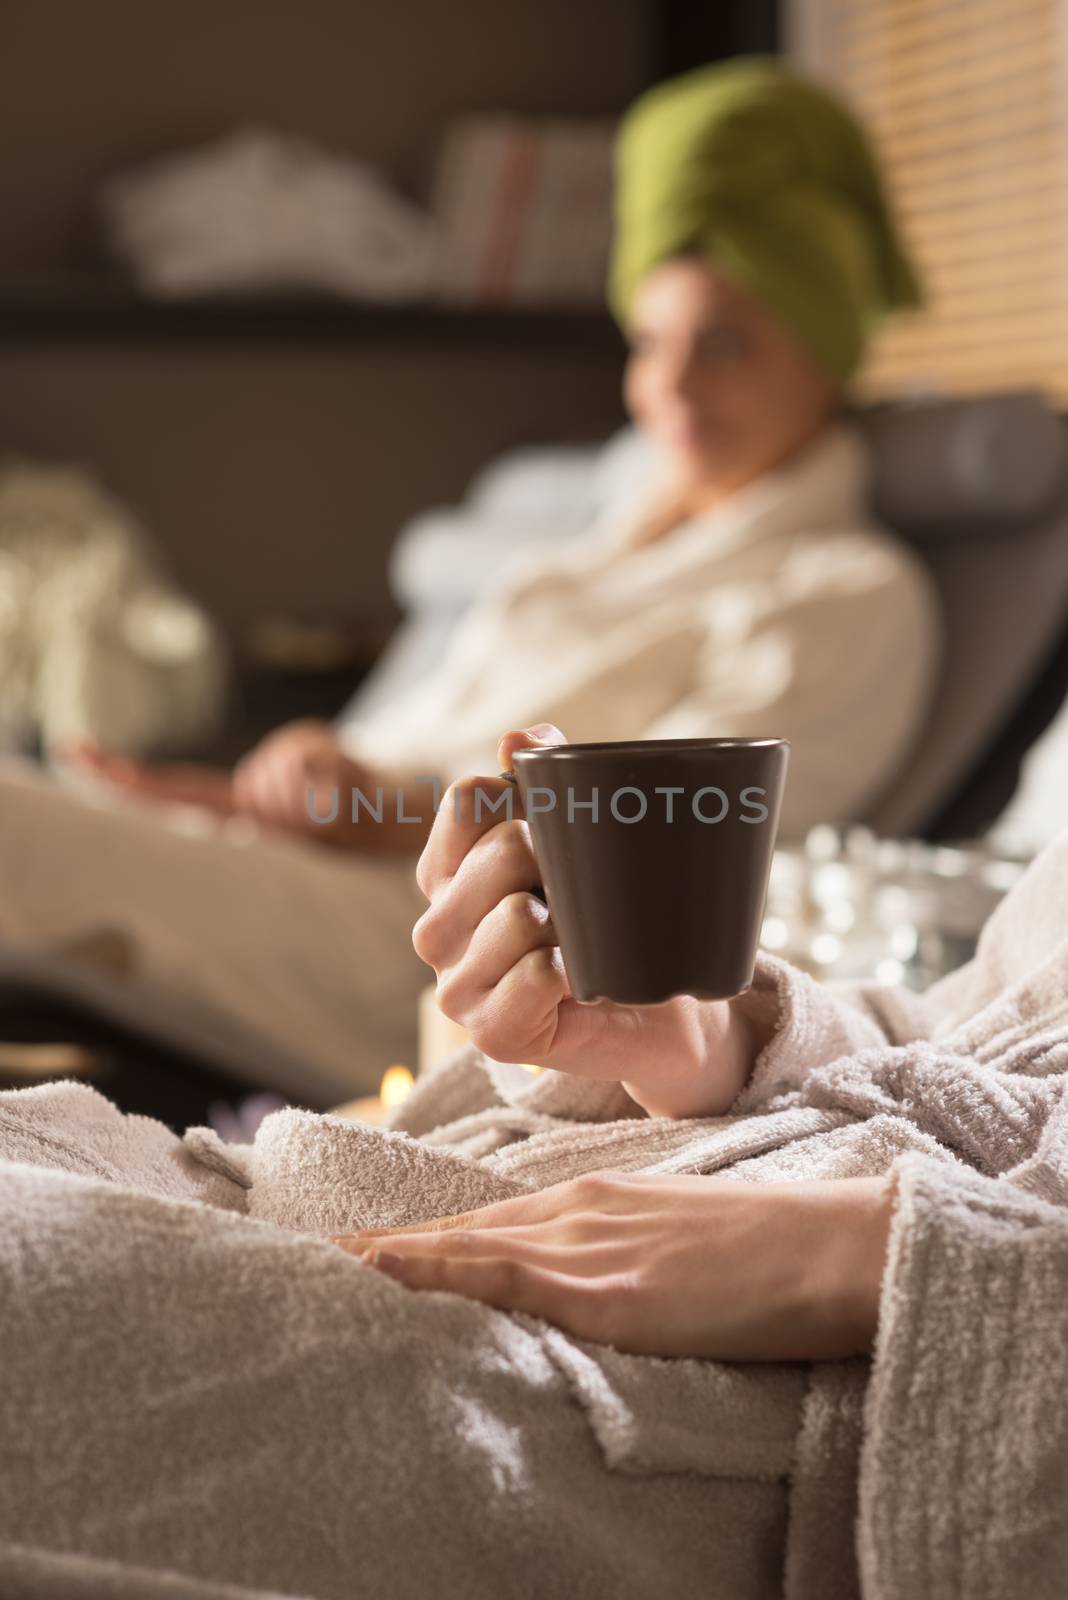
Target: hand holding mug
491,942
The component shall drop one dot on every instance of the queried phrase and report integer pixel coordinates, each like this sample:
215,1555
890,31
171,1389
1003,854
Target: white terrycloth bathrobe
198,1390
783,612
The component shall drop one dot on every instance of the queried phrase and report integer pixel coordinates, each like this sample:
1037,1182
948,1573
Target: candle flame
396,1086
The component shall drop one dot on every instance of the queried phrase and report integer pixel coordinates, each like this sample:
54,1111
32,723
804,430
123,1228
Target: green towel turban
772,179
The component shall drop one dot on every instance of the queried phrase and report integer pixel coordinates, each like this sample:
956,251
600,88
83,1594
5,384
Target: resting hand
298,777
501,975
667,1266
293,780
169,783
270,784
293,776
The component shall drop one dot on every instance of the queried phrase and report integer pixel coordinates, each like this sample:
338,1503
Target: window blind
967,101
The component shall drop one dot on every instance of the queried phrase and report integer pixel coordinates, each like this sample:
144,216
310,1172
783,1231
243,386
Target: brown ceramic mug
655,856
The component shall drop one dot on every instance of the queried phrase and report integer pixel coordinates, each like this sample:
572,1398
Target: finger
602,1310
240,785
525,739
173,783
249,785
499,1281
153,783
533,1243
119,769
469,1221
247,776
267,782
516,1020
469,808
296,794
500,862
319,791
516,925
270,789
517,1211
81,753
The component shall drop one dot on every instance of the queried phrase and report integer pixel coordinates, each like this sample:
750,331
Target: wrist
714,1045
754,1022
857,1251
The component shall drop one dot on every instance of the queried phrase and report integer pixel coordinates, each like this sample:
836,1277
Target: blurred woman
745,591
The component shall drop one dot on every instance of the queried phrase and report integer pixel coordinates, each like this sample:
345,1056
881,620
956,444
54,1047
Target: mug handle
537,891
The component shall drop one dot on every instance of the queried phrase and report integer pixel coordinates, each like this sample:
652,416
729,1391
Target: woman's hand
169,783
500,973
294,775
270,783
294,780
667,1266
299,777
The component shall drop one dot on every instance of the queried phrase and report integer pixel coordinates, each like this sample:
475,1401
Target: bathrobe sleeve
812,1024
964,1461
1018,971
964,1470
836,650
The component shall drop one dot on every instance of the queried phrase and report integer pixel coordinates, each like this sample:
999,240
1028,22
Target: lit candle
395,1086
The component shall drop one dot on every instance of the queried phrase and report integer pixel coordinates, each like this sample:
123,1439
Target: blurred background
275,444
281,286
275,426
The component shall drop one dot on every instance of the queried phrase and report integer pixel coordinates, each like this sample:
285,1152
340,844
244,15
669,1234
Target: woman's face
721,386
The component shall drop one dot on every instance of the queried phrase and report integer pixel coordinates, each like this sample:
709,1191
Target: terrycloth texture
192,1392
33,1574
773,180
198,1385
783,611
970,1384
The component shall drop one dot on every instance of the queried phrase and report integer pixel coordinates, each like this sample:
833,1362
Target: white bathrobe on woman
783,611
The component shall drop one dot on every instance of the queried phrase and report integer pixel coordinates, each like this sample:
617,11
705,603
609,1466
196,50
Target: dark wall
276,476
687,33
276,471
89,85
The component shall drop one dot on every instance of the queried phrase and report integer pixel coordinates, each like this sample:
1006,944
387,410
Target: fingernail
539,730
384,1260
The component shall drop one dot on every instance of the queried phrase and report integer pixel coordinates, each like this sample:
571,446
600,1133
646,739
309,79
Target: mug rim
636,746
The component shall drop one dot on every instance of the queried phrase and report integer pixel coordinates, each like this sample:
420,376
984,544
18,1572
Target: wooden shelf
46,313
